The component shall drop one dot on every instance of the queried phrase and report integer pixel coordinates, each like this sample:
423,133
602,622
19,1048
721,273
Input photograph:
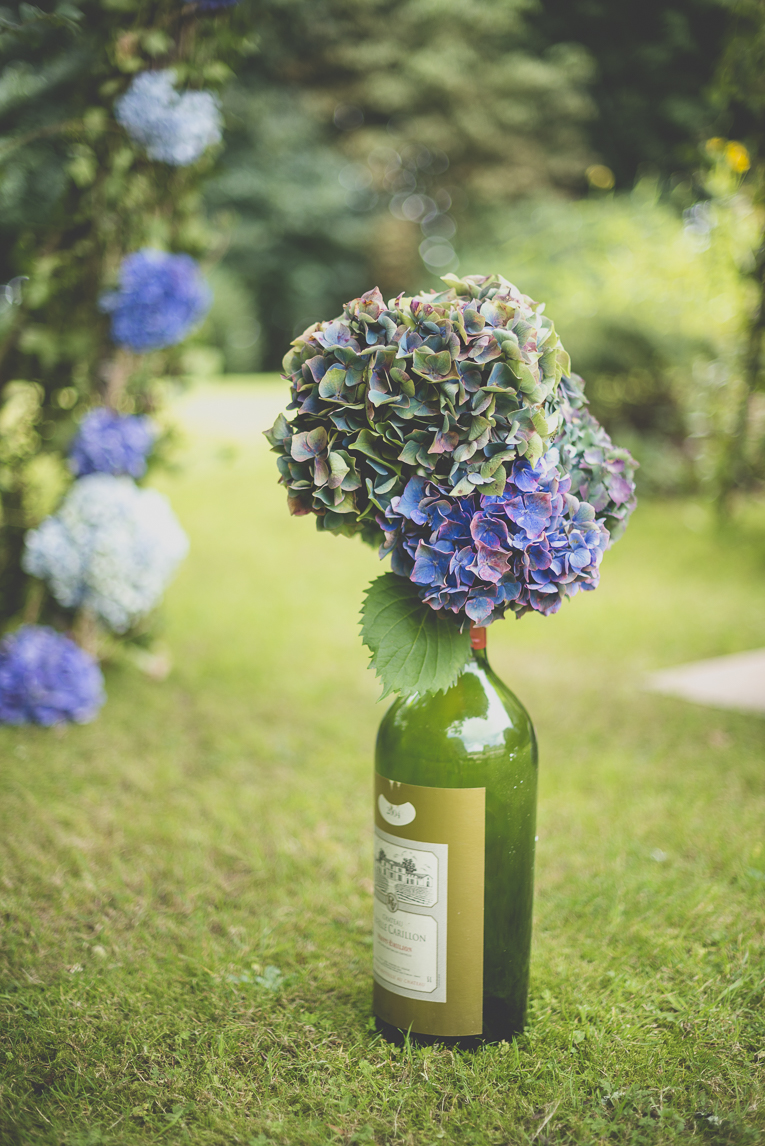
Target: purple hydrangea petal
489,531
491,564
620,489
409,502
509,590
431,564
532,512
479,608
539,556
580,558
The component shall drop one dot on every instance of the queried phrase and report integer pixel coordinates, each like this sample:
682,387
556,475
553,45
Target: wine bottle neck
478,644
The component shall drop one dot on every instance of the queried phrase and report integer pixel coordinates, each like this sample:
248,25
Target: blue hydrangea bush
173,127
107,553
45,678
161,297
448,429
111,443
111,548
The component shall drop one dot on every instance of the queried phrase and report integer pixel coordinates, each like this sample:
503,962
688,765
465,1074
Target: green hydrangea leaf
414,648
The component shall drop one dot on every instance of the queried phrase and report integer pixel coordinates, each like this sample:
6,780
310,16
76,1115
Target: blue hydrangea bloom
174,127
211,5
111,443
527,548
45,678
160,298
111,548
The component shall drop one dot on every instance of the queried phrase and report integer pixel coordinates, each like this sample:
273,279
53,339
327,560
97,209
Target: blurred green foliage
740,89
654,62
359,133
412,139
295,249
362,160
649,305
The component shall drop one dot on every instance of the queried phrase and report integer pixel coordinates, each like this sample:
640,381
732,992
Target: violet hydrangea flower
528,547
111,548
160,298
45,678
174,127
111,443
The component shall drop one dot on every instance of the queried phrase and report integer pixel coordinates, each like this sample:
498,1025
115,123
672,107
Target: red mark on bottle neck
477,636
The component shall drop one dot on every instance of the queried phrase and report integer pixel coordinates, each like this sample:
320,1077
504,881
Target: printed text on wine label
406,949
398,814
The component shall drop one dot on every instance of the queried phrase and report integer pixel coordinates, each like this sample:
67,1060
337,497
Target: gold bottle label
428,933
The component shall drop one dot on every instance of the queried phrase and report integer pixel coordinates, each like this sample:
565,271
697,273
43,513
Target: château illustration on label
455,817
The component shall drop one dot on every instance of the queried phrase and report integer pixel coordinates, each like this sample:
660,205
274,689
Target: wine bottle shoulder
457,738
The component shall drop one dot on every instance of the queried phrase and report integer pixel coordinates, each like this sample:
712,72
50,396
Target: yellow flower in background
600,176
715,146
737,157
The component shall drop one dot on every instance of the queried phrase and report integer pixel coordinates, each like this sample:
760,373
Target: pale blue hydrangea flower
174,127
111,548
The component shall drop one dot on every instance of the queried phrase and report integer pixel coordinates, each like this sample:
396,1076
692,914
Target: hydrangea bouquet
448,429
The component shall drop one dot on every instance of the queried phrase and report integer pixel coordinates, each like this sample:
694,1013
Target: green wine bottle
455,818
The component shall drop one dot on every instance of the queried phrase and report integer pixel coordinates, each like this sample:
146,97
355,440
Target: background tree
653,67
362,136
740,94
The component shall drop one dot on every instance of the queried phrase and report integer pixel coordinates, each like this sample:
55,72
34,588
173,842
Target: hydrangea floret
161,297
45,678
111,443
111,548
447,427
174,127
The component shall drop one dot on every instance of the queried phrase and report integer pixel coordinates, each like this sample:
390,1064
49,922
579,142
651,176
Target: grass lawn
185,884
